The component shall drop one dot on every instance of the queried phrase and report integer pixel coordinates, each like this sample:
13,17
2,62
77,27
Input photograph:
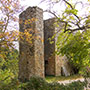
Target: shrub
76,85
37,83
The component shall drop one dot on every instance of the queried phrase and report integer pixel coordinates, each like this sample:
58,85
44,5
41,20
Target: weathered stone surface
52,61
32,56
39,58
66,69
54,64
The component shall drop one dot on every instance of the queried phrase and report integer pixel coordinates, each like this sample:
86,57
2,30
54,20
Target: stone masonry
52,61
38,58
32,56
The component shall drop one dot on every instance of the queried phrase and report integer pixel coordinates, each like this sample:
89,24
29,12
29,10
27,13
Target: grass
61,78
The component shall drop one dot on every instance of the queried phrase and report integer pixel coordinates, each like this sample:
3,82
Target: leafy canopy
76,47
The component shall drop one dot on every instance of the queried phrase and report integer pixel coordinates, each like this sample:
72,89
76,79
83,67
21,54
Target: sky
42,5
57,8
28,3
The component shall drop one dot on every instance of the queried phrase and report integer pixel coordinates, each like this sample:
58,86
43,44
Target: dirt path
79,79
70,81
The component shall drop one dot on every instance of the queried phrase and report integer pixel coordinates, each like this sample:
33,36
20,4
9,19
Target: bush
56,86
37,83
76,85
13,85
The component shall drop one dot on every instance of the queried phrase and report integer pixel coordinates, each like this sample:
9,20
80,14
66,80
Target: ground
65,80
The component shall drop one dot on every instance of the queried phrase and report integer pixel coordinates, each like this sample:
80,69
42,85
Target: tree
8,10
70,15
74,38
8,34
77,49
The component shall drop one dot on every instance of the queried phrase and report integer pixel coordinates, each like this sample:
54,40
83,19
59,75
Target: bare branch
72,9
53,13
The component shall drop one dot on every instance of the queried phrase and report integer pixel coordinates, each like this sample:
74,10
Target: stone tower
52,61
32,55
55,65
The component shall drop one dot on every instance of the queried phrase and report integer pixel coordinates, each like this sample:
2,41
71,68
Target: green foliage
62,78
8,67
76,47
37,83
71,11
76,86
13,84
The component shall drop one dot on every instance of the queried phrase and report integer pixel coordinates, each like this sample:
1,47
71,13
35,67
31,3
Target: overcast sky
43,5
28,3
58,8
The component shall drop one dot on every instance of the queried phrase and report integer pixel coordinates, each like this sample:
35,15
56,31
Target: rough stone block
31,55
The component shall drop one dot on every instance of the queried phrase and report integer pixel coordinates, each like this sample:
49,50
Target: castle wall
49,49
31,55
37,55
52,61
